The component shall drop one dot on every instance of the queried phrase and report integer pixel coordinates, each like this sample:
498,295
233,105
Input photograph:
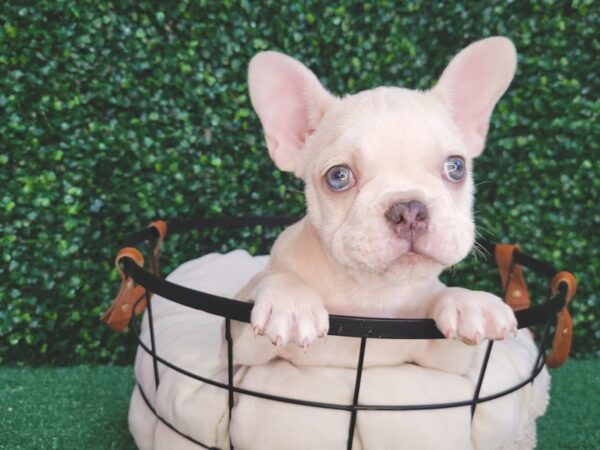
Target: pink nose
409,219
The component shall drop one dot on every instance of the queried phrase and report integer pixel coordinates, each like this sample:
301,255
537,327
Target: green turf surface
65,408
573,417
86,408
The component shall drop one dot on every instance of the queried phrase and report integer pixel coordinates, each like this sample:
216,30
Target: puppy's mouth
412,247
414,257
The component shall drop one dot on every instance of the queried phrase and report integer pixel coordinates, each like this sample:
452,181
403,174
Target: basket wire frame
537,315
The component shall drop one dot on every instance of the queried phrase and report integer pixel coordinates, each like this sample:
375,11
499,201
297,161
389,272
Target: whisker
479,253
452,269
479,228
297,191
481,250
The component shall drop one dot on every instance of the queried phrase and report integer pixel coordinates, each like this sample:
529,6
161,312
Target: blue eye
339,178
454,169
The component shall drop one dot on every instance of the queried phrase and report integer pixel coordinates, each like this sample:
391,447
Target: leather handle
128,252
563,337
516,293
129,297
161,228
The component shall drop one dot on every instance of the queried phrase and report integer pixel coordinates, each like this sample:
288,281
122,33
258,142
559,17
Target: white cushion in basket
193,340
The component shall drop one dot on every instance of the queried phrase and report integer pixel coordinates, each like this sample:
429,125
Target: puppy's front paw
472,316
289,315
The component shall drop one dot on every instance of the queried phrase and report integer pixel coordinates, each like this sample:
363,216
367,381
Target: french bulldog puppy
389,193
388,176
389,190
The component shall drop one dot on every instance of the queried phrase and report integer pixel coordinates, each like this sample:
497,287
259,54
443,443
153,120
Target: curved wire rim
349,326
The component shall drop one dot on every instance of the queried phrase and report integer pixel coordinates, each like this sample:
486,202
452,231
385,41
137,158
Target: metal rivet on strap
516,293
124,307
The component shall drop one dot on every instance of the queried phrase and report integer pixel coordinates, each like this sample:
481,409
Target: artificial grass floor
66,408
86,408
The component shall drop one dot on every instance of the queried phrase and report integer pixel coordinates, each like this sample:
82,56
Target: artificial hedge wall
116,113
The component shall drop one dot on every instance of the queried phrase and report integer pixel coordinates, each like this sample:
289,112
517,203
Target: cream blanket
193,340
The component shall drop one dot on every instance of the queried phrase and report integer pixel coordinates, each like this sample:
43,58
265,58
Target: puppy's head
387,171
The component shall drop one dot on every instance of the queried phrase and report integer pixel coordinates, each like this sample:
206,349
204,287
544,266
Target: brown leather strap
129,252
118,314
561,346
511,274
161,228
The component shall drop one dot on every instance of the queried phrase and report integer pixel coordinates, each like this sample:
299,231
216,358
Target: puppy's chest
370,299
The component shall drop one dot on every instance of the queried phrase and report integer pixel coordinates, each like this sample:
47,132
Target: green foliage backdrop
114,113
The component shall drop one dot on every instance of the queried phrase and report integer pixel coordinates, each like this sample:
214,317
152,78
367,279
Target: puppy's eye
454,169
339,178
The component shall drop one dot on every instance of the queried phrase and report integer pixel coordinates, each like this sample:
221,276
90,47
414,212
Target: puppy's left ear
473,82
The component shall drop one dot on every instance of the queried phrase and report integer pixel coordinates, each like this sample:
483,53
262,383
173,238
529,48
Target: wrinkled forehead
394,122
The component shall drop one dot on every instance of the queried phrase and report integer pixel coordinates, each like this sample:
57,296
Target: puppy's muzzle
408,219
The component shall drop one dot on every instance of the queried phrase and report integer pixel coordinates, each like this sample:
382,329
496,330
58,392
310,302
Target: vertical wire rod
229,370
359,369
152,340
482,371
488,350
542,347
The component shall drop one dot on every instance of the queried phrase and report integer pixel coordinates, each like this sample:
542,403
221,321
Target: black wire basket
543,314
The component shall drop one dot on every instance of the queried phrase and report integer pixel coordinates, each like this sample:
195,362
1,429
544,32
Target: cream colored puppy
389,191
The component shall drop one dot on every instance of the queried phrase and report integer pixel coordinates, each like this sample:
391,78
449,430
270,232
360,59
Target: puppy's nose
408,218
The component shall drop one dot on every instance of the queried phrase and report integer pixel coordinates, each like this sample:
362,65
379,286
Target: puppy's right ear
289,101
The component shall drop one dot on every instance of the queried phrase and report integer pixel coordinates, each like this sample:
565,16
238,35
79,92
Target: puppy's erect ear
473,82
289,101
